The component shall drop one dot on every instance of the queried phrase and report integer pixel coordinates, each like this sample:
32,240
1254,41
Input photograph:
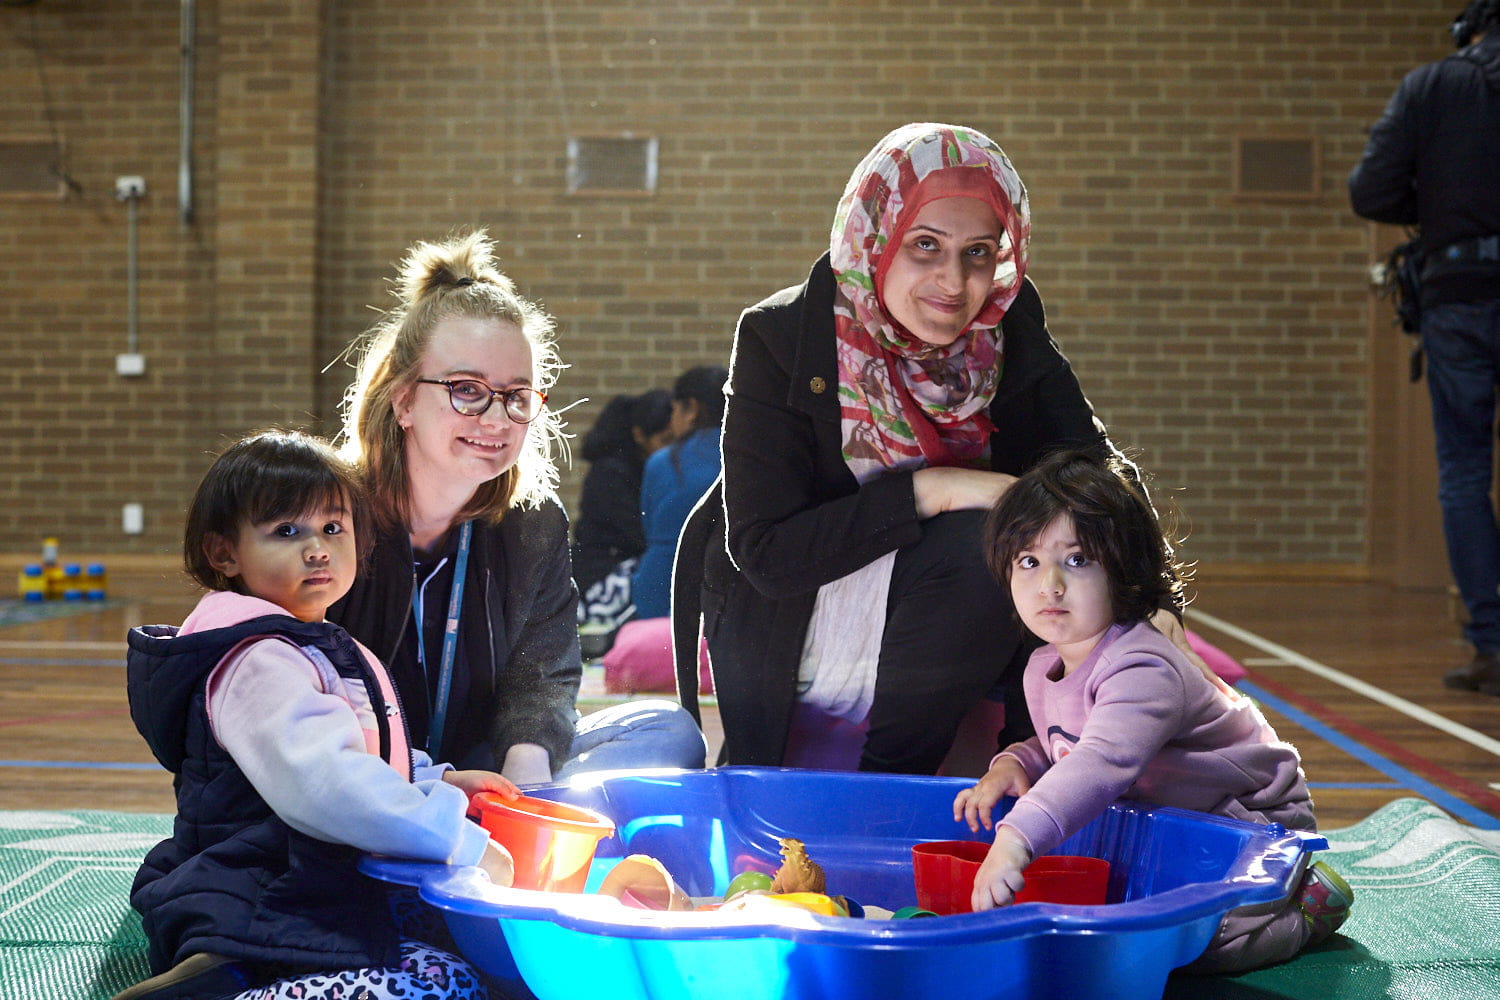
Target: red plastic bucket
944,872
1065,878
552,843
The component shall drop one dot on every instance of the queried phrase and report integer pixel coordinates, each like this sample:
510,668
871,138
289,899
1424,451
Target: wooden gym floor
1347,671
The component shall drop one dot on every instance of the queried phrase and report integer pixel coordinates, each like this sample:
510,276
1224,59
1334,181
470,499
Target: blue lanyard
450,640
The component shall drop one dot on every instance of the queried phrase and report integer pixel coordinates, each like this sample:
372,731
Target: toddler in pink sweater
1120,712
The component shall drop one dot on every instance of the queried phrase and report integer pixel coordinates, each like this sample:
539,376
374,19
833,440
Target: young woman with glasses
447,419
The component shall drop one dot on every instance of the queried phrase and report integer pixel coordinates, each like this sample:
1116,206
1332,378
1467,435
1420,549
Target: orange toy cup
944,871
1063,878
552,843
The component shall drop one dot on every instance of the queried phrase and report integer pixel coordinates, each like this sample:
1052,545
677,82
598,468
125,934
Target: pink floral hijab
905,404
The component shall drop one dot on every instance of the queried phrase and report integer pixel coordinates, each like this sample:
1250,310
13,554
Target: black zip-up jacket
517,664
1433,161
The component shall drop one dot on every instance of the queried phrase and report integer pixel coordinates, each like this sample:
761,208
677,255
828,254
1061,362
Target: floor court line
84,765
1391,701
38,720
1361,744
54,644
1357,785
56,661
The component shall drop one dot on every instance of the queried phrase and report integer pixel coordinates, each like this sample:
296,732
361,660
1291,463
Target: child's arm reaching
999,878
498,864
471,783
496,860
1005,777
305,753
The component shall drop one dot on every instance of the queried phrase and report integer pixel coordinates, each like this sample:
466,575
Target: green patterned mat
66,928
1425,923
1425,926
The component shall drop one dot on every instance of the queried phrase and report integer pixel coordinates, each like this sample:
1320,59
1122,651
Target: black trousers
951,638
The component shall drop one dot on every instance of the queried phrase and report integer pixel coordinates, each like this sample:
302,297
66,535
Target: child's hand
999,878
973,805
498,864
474,782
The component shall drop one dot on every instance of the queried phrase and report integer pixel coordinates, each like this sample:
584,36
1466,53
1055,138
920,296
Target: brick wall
1224,340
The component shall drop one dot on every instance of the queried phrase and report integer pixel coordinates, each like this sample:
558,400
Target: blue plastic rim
1174,874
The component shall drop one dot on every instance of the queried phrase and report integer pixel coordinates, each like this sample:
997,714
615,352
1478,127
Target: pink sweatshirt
296,731
1137,720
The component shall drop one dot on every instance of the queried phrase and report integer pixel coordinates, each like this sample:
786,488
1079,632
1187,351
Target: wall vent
29,168
1277,167
612,165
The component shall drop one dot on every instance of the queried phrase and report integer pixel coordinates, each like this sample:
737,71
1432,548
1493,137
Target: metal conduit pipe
188,41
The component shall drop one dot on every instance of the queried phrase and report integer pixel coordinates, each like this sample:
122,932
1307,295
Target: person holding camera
1433,161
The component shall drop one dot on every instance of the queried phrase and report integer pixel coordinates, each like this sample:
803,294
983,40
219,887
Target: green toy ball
751,881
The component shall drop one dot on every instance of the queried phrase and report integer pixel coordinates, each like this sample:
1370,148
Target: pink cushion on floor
641,659
1220,662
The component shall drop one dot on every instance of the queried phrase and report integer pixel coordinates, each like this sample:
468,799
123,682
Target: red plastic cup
944,872
1065,878
552,843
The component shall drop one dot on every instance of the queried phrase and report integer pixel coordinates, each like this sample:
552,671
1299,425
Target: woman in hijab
874,413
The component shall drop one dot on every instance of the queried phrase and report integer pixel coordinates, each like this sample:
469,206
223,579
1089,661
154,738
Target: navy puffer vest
234,879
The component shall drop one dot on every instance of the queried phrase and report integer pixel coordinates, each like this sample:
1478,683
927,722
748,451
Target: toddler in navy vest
289,755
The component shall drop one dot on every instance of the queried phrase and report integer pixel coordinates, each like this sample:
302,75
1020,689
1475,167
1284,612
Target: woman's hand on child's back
974,805
1167,624
999,877
471,783
498,864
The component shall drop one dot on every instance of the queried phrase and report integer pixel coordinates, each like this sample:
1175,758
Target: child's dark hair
1114,525
613,430
651,411
267,476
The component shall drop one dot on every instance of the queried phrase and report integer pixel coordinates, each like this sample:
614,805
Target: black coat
1433,161
609,529
787,516
517,666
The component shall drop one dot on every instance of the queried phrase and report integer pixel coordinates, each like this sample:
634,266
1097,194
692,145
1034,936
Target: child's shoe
203,976
1325,899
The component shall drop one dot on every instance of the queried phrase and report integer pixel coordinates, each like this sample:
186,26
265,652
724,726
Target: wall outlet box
133,518
132,186
130,364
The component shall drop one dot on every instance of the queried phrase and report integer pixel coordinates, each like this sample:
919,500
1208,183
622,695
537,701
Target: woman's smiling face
941,273
444,446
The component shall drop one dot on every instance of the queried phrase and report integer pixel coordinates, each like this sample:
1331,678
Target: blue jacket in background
676,476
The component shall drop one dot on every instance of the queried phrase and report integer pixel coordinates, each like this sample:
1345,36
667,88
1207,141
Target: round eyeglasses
472,397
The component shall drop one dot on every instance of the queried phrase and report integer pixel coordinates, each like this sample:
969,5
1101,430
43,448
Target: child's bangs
285,493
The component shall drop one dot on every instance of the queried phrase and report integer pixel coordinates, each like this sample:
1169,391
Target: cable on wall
57,168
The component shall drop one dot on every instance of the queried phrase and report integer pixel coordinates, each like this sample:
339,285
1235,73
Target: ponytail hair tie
465,281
